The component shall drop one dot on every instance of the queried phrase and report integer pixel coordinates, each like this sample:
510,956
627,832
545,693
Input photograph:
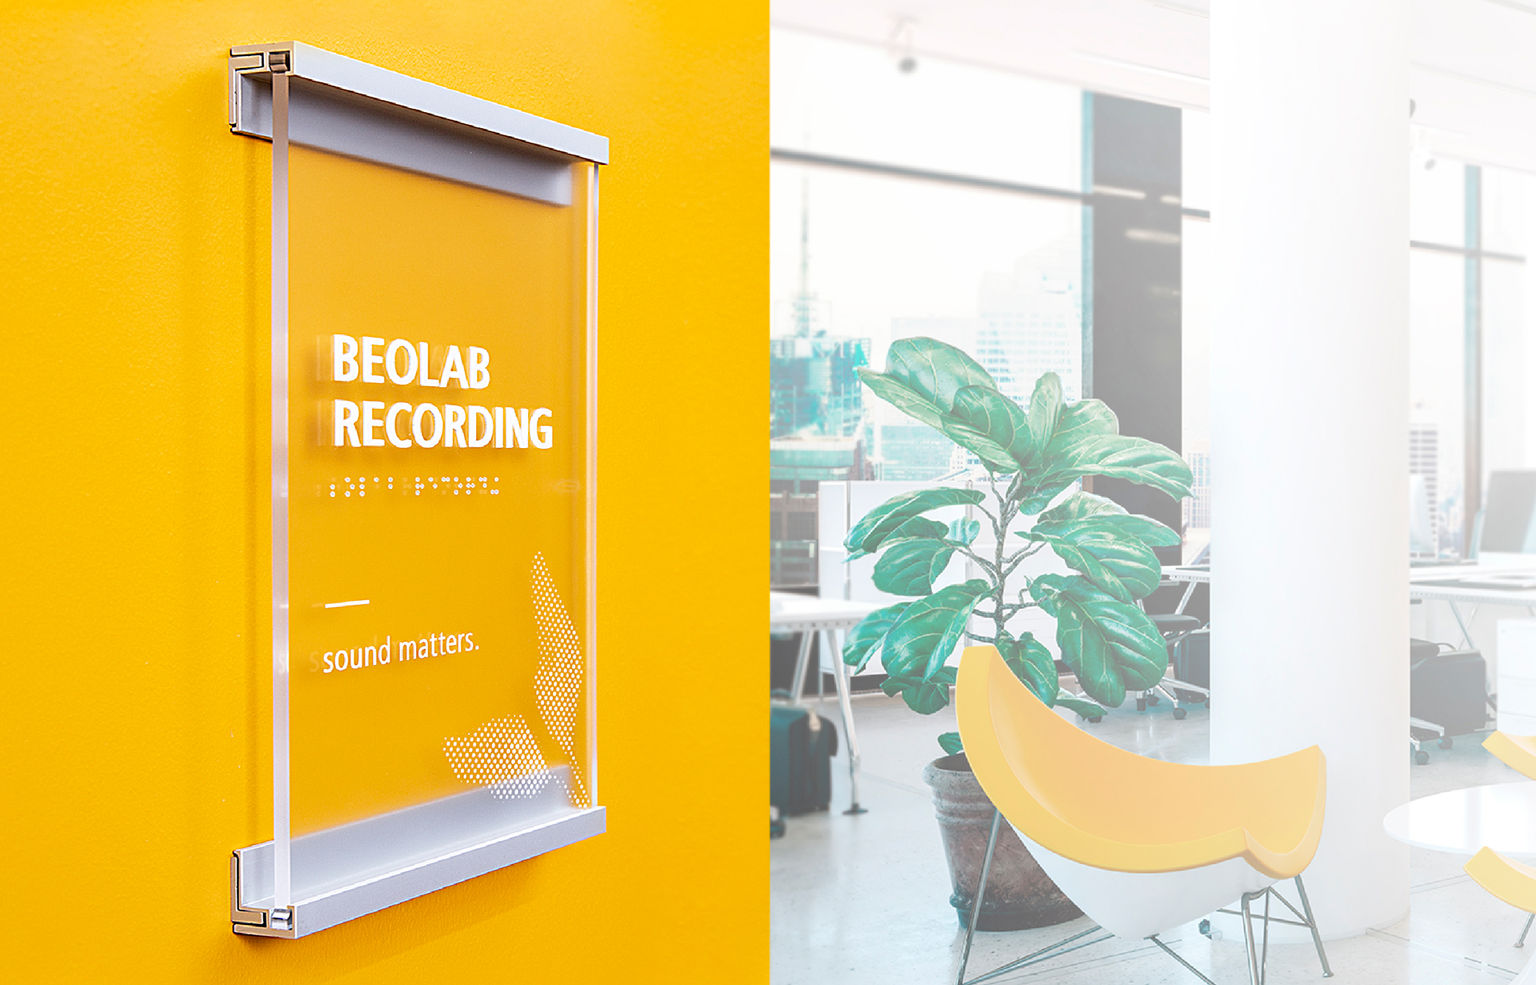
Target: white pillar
1309,410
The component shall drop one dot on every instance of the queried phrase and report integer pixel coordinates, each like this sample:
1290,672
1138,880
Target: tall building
816,424
815,388
1031,322
1424,465
1197,508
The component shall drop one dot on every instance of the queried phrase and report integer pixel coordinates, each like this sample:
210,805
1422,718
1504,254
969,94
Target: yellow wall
134,305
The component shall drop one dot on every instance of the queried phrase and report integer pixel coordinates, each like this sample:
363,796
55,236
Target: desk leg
1189,591
830,645
1465,633
802,662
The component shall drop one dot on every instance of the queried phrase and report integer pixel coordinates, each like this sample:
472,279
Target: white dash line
343,605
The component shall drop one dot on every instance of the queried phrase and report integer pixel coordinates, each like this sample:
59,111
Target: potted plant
1033,459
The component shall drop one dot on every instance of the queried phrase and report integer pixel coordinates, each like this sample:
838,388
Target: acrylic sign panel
437,492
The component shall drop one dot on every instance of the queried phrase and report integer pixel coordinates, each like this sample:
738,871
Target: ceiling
1473,77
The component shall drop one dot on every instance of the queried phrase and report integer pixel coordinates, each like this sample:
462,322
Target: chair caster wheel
1421,757
1447,742
1205,928
1153,699
1096,719
1141,704
1179,714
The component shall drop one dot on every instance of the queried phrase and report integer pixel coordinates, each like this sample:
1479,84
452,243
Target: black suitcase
1447,687
801,746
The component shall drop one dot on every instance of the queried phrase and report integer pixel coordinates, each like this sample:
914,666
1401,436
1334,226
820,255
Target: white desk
832,618
1455,596
1499,815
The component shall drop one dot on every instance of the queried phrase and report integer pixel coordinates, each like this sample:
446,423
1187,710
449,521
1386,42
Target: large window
1468,330
948,201
943,202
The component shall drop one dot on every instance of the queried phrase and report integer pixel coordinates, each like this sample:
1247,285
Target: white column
1309,410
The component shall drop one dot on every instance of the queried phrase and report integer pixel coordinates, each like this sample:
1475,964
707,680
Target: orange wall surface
135,692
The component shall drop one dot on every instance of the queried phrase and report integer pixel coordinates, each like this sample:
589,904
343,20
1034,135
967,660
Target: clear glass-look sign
433,291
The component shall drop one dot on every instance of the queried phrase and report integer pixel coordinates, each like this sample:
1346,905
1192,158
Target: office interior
1290,243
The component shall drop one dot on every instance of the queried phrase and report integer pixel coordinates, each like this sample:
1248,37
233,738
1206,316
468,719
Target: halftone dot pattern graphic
561,677
501,754
504,754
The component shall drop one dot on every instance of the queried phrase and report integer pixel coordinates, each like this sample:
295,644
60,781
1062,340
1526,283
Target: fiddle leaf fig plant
1034,458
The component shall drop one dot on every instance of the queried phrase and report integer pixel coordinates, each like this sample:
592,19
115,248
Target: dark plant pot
1019,894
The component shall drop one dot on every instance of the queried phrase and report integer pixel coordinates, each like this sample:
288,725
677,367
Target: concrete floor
864,899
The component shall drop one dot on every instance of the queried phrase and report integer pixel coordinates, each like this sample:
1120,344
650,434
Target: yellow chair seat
1517,751
1510,881
1101,806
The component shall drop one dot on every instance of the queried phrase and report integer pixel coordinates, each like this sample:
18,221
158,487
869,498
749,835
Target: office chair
1176,628
1448,694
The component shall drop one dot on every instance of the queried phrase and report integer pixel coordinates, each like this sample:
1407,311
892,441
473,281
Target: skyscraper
1424,463
1197,508
1031,322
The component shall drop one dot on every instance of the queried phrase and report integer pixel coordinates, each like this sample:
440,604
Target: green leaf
989,424
926,698
1112,646
1136,460
1033,664
882,521
922,376
917,528
1085,708
1082,420
923,697
910,567
935,369
1045,408
1038,497
930,629
1114,516
1120,564
1079,507
864,639
950,743
912,402
963,531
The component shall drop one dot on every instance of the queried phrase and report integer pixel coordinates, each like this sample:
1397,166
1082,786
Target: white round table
1499,815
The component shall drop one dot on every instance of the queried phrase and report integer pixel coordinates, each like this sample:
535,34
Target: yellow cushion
1099,805
1518,751
1510,881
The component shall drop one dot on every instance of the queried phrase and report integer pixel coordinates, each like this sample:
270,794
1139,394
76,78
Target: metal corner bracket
254,59
255,921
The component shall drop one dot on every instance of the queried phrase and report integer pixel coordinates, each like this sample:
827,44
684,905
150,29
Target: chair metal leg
1254,977
1055,950
1175,956
1527,930
1317,938
981,890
